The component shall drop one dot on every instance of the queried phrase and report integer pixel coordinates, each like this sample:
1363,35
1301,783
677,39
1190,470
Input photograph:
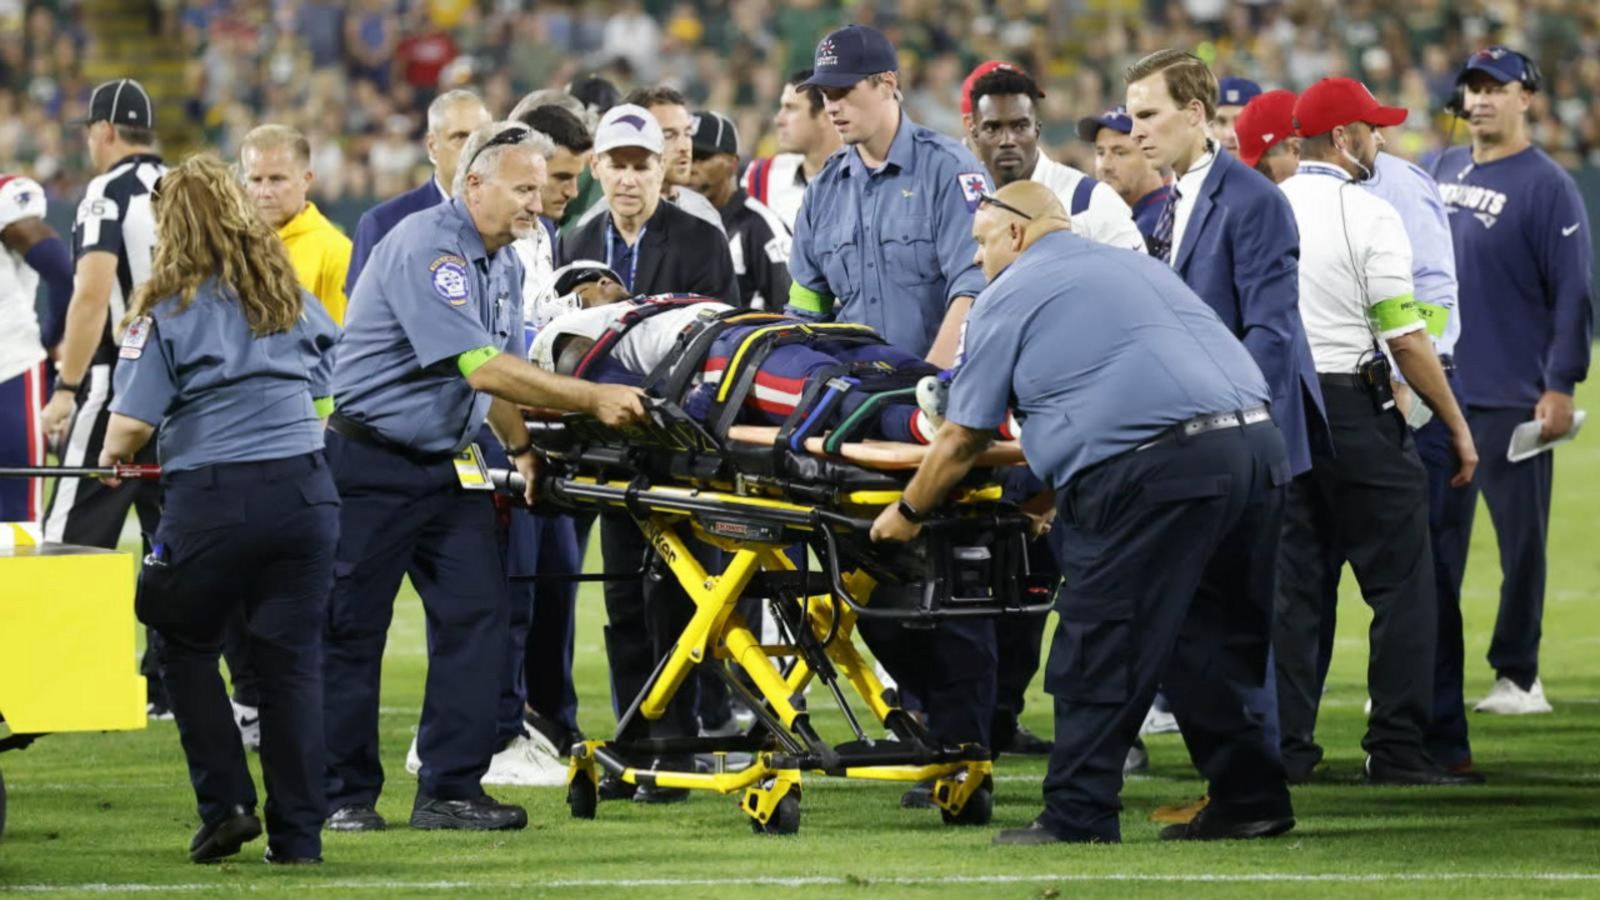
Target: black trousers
259,538
644,619
1019,641
1368,505
1168,564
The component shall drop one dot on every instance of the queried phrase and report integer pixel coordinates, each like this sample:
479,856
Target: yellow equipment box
67,639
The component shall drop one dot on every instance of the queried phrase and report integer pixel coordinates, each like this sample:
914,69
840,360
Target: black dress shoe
224,837
1210,827
356,817
1026,743
480,813
1035,833
919,797
274,859
1380,772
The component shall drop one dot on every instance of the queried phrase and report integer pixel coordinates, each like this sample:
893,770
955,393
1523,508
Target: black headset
1532,79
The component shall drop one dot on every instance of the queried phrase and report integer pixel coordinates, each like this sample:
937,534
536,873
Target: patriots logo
1492,53
631,119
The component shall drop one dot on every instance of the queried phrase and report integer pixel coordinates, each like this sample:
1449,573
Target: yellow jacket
320,254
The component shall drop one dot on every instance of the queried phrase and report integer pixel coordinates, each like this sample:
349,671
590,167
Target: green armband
324,406
1395,312
1434,318
807,300
473,360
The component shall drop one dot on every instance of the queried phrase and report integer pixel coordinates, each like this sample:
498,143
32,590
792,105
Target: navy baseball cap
1233,91
1116,118
1503,64
850,54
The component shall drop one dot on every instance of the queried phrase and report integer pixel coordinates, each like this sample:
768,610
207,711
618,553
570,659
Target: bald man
1169,509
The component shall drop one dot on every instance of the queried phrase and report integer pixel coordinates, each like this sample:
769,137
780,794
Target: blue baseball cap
1503,64
850,54
1234,91
1116,118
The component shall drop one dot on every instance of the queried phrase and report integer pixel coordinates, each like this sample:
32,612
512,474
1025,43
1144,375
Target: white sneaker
1506,699
413,759
933,397
248,718
1158,722
523,764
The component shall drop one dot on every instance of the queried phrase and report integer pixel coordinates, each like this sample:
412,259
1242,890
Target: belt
1341,379
1211,422
362,434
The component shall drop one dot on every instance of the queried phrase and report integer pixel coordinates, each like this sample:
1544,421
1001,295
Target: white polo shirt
1355,267
1108,220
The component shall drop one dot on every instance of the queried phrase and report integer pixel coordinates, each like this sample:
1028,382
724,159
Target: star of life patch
973,186
137,336
450,279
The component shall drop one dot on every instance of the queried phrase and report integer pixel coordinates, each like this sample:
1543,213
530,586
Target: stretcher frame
753,519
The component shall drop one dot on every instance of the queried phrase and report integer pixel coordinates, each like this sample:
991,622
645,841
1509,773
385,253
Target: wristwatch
910,513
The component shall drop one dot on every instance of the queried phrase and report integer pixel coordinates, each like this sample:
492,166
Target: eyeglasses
508,138
992,200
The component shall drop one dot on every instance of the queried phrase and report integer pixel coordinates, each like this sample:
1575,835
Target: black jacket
680,254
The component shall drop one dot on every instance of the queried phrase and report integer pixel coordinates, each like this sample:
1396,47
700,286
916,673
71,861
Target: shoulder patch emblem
137,336
973,186
450,279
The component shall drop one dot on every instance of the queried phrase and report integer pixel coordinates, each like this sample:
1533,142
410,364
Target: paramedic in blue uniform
883,238
235,374
433,349
1169,509
1526,265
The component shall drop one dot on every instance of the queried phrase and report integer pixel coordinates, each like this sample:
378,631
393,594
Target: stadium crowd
356,75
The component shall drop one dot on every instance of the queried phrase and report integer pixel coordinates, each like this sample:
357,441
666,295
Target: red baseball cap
1265,121
1332,102
983,69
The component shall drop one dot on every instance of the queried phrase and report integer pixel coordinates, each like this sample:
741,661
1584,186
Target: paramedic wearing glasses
433,348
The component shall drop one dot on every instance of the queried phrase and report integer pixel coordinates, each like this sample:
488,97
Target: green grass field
112,813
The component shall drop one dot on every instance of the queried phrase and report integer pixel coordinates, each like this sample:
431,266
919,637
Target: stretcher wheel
978,811
785,819
582,796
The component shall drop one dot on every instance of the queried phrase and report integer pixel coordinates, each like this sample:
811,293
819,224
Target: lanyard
633,261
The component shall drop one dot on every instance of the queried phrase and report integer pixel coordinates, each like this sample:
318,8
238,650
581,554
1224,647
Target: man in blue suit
1230,234
451,118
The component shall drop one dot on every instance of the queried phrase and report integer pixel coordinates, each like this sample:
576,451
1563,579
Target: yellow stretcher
67,641
753,502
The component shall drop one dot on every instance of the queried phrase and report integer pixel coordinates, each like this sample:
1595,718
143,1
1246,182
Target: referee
114,240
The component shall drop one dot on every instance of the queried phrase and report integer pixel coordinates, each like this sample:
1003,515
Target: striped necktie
1161,239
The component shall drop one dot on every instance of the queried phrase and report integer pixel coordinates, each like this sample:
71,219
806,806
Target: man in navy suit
1231,236
451,118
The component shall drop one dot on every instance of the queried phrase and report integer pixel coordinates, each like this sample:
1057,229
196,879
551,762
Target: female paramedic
231,360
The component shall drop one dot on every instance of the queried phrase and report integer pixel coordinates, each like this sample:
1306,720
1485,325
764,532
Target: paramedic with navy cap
885,231
1169,507
1525,263
236,374
433,348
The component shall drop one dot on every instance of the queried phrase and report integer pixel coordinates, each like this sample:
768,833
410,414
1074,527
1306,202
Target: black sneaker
223,838
649,793
480,813
614,788
918,797
356,817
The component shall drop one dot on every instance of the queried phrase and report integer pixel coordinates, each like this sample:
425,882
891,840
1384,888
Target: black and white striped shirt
115,217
